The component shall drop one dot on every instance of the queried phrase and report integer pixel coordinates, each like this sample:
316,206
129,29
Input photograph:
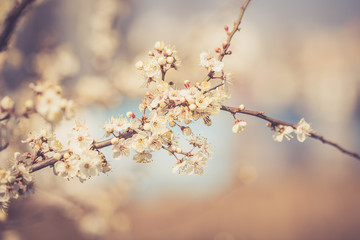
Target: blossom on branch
239,126
303,130
210,62
50,103
283,131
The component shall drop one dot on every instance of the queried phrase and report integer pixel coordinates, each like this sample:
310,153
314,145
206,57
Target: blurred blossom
98,90
10,235
103,39
93,224
56,65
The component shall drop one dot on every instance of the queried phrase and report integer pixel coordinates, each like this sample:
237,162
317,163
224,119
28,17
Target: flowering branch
236,28
11,21
225,45
165,109
275,123
96,145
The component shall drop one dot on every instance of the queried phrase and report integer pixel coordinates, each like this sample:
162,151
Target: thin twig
234,30
230,36
11,21
275,122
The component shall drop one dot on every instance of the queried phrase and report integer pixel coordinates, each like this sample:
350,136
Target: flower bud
139,65
187,121
242,107
224,45
170,60
7,104
172,124
239,126
159,46
186,131
66,155
182,99
178,150
149,94
130,115
192,107
161,61
29,105
187,83
147,127
57,156
168,52
142,107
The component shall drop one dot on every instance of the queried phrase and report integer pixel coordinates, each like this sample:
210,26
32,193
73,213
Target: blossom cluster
162,59
50,103
15,180
165,109
302,130
80,160
6,105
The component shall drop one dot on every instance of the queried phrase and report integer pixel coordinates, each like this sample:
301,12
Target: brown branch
226,44
11,21
275,122
234,30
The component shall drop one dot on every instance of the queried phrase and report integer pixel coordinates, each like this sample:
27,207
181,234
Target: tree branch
11,21
226,44
96,145
236,28
275,122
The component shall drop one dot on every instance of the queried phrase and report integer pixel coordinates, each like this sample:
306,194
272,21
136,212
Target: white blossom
7,104
157,123
191,165
80,138
303,130
239,126
44,141
281,132
121,148
210,62
140,141
155,143
50,103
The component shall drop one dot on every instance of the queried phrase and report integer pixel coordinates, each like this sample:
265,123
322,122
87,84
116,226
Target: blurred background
291,59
